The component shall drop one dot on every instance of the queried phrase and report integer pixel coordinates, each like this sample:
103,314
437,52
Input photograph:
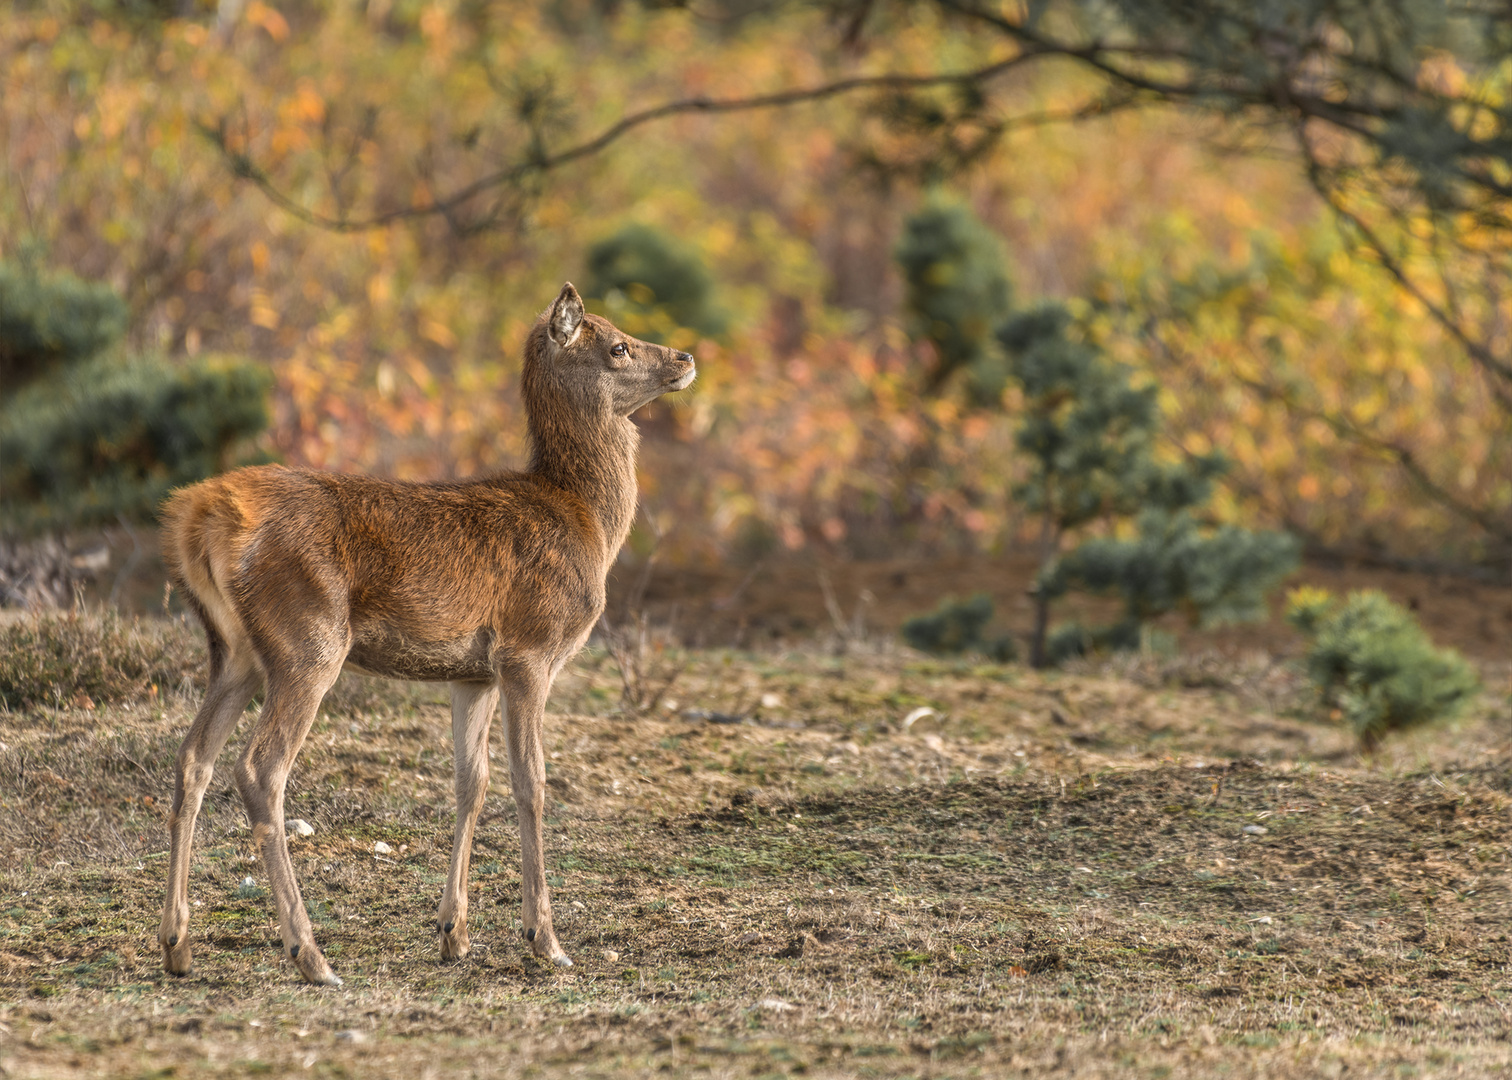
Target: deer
490,584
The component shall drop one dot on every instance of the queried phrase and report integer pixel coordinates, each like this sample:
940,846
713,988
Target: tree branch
1477,350
539,162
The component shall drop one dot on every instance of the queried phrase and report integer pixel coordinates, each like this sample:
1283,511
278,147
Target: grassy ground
1152,869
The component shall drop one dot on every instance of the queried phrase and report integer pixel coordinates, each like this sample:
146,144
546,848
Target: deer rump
432,582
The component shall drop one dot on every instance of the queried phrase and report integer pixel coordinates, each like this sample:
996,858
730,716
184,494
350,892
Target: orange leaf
260,14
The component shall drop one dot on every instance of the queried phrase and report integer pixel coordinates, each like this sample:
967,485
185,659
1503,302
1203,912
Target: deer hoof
177,958
562,960
453,949
312,965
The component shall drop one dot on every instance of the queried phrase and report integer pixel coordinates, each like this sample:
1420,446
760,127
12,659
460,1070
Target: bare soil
1151,868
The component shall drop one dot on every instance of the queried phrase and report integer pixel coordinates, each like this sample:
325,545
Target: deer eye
619,351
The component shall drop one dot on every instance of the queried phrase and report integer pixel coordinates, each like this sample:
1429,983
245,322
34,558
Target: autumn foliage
394,340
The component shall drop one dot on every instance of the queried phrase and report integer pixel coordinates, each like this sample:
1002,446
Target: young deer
490,584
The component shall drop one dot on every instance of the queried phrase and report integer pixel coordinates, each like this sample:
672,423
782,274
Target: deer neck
591,457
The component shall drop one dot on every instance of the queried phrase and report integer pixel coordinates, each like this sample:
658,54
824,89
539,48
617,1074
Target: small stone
1255,830
248,883
775,1005
610,955
380,848
771,701
352,1035
300,827
580,905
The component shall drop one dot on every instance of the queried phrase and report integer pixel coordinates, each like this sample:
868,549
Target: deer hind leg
524,710
234,678
473,708
295,689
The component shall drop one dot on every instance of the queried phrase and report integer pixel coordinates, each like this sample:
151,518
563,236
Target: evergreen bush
956,626
114,437
957,292
651,284
89,435
50,320
1212,576
1372,662
1073,639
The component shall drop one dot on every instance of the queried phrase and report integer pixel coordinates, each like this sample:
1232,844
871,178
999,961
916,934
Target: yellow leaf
439,332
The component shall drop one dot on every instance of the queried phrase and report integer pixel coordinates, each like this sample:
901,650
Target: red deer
490,584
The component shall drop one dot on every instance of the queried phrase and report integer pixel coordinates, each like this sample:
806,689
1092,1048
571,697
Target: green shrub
112,437
956,626
49,320
651,284
1073,639
1212,576
957,292
1371,661
90,436
53,657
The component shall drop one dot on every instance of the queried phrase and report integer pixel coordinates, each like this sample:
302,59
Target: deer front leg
525,704
233,681
473,706
261,775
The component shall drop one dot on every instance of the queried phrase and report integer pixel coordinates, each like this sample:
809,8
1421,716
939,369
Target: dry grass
87,657
1052,876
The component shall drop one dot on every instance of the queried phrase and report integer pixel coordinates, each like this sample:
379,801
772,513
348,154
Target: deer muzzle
685,379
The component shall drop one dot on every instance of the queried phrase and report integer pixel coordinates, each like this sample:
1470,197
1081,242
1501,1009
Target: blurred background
1041,300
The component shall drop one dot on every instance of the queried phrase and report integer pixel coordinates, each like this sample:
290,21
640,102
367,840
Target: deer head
596,362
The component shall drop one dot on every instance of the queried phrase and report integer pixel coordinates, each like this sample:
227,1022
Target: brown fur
490,584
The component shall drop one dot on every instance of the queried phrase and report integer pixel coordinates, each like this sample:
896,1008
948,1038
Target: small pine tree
89,436
1372,662
651,284
957,292
1089,434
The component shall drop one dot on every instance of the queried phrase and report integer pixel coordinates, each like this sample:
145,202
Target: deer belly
386,651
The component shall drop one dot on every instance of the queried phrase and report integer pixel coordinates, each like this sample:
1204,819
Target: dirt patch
1164,867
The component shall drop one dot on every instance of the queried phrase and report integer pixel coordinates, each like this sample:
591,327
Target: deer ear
566,316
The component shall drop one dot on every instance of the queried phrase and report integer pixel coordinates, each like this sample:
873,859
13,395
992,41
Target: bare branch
1401,455
1351,432
1477,350
539,162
